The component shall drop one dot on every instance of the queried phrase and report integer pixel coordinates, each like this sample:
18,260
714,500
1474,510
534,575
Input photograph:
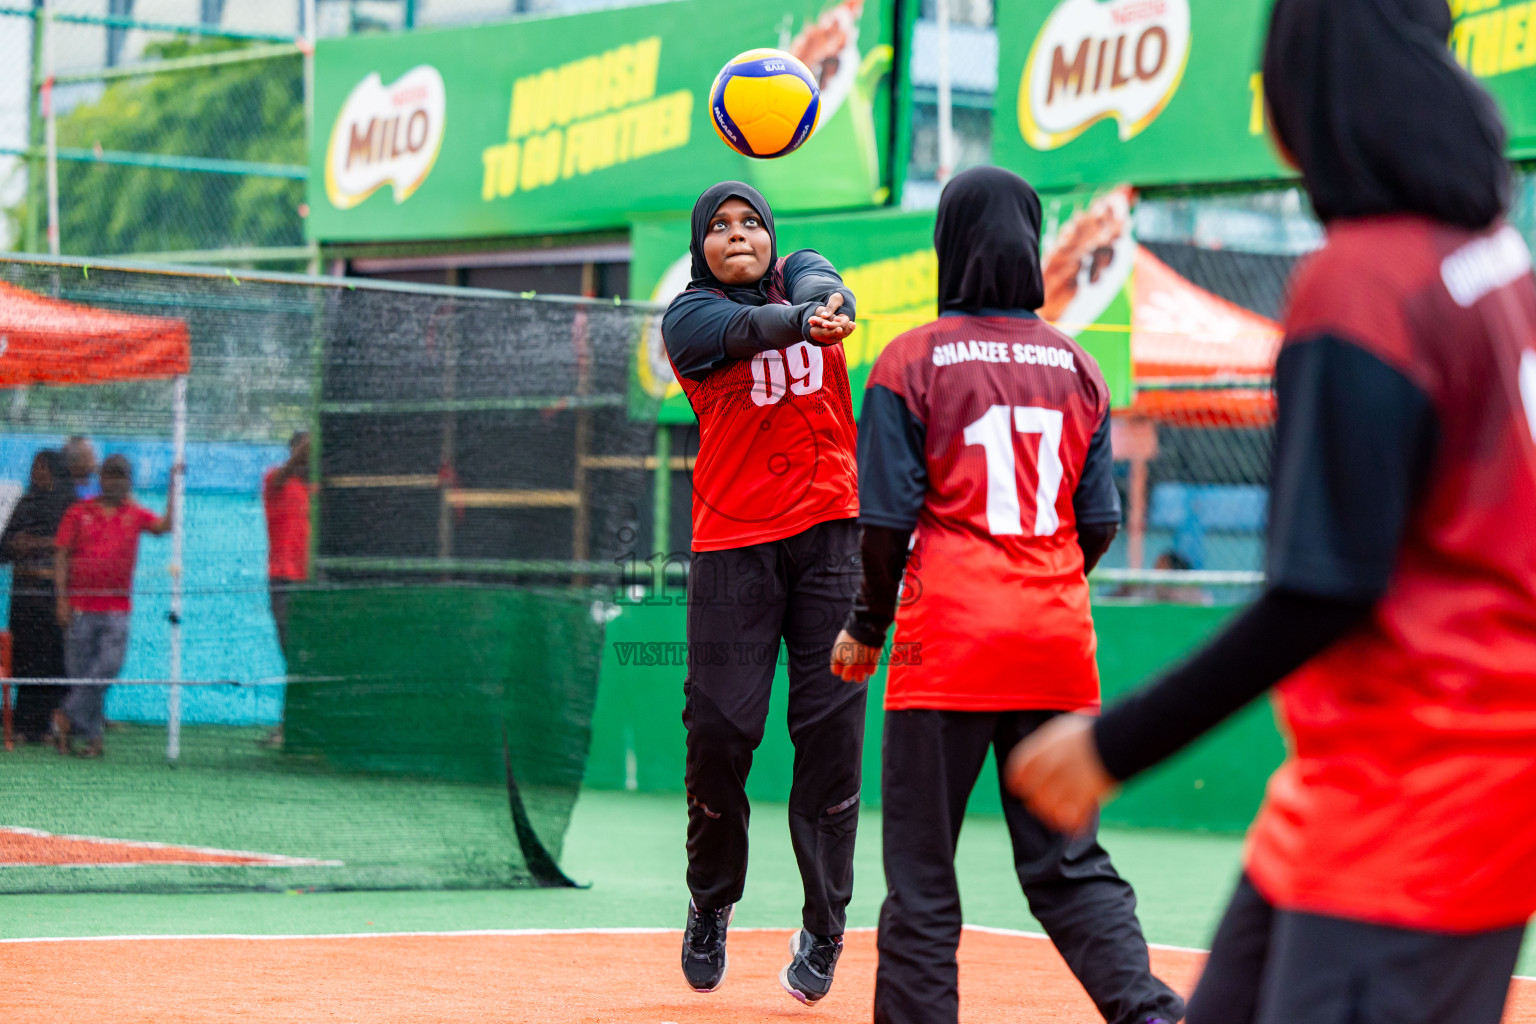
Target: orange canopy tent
1182,334
1198,360
50,341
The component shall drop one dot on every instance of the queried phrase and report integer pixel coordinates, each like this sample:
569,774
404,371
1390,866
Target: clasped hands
827,325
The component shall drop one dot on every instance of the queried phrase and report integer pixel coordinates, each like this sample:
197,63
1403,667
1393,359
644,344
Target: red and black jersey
776,429
1408,796
990,435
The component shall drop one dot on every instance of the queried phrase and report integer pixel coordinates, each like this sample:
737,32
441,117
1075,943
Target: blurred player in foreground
1390,873
757,343
987,434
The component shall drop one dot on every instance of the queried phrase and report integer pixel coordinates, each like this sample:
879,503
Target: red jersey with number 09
1409,797
994,605
776,444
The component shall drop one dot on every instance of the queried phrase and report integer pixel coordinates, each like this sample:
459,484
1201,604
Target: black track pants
1271,966
931,762
742,603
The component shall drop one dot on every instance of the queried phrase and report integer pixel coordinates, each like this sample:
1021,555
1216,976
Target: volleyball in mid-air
764,103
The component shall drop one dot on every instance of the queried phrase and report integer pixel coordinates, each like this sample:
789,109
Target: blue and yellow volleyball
764,103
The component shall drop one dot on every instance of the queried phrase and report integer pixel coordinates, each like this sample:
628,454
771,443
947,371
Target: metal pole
50,130
307,45
178,538
34,154
946,107
661,498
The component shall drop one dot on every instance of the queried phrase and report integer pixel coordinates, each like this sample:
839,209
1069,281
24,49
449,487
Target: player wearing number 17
756,342
984,439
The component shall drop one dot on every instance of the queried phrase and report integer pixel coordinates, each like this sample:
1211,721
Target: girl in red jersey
984,450
1392,868
756,342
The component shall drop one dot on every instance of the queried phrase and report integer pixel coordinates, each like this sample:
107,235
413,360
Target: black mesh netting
479,473
1202,498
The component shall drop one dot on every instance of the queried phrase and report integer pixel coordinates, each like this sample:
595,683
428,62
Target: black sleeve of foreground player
1354,443
1266,643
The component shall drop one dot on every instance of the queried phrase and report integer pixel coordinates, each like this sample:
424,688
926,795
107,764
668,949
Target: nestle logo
1140,12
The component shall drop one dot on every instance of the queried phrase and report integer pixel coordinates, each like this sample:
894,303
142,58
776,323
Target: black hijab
988,239
755,294
1379,117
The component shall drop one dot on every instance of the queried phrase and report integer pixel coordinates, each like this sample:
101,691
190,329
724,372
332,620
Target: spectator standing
37,650
80,457
98,546
285,498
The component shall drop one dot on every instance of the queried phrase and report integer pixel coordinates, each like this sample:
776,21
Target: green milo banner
1142,91
1496,41
887,258
585,121
1158,92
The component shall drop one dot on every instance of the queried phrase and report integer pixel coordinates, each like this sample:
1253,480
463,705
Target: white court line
272,860
497,932
1015,933
522,933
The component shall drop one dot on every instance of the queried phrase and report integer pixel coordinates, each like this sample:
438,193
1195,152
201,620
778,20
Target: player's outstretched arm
1354,443
703,329
809,277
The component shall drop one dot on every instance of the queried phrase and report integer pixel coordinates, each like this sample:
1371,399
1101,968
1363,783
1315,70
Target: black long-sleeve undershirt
1355,441
883,550
1271,639
702,329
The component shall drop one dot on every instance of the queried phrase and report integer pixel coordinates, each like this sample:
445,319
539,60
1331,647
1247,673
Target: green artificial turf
229,792
628,847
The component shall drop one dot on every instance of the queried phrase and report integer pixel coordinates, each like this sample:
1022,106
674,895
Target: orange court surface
589,977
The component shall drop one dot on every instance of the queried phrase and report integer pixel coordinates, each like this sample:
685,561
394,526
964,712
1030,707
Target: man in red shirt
756,342
1392,868
984,446
285,499
98,546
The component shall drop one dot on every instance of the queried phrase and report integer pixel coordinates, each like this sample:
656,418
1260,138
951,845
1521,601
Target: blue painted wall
227,631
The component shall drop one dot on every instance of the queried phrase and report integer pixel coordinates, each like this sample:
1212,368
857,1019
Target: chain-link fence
389,672
180,128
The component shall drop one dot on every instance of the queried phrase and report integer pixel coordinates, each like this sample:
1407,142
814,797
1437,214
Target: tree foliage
252,110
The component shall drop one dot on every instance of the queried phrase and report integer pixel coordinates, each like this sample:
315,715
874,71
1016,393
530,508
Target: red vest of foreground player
776,443
994,612
1410,795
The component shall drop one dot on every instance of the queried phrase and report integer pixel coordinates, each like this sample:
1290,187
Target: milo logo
386,135
1092,60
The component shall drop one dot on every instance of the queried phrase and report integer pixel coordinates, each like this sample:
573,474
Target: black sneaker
808,976
704,960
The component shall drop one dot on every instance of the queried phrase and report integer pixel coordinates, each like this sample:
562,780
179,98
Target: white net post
178,534
50,127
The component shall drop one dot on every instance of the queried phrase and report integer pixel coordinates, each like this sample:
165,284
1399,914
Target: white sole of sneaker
794,951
